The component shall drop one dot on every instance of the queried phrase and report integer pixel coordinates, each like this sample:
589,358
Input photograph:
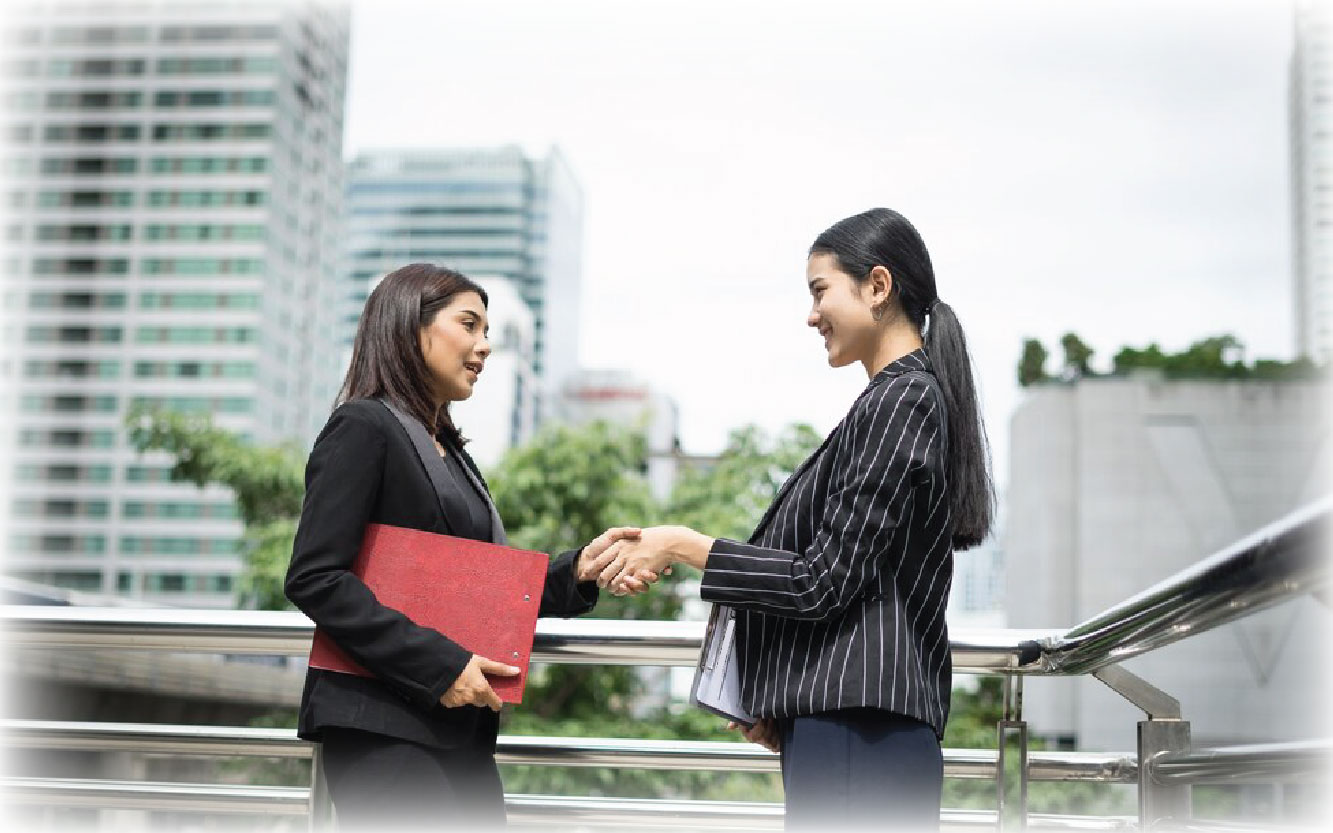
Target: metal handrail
566,641
1292,761
170,739
1283,560
521,809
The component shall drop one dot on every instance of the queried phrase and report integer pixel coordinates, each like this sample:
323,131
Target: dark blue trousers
861,769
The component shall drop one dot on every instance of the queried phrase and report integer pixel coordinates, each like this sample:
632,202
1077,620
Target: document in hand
483,596
717,682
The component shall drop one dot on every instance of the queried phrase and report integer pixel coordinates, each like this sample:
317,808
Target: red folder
482,596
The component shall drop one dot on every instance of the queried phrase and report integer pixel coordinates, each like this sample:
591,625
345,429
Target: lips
475,367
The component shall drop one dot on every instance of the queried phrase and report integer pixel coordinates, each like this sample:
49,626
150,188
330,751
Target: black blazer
365,469
840,592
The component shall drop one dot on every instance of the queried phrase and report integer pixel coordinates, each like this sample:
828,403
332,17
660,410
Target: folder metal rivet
515,654
527,598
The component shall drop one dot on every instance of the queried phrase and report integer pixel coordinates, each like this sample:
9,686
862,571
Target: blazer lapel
430,460
786,487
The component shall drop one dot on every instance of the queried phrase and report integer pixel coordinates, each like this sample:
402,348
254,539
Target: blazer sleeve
888,438
563,594
342,488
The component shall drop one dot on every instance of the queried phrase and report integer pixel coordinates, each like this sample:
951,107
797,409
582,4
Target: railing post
1012,725
321,804
1160,805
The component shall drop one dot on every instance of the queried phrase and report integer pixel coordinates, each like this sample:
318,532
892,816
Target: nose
812,320
484,347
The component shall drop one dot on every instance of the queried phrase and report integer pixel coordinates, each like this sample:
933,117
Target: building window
91,133
85,199
210,165
82,266
200,266
90,166
196,335
198,233
100,100
214,98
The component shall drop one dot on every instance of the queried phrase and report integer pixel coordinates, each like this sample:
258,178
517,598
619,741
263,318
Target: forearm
779,582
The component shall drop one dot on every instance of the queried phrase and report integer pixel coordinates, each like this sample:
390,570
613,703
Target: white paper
717,683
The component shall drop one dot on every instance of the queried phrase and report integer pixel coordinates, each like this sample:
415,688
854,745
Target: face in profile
839,311
455,348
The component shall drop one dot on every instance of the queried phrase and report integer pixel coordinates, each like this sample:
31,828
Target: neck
896,343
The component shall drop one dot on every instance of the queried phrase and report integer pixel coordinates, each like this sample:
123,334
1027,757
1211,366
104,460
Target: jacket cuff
582,594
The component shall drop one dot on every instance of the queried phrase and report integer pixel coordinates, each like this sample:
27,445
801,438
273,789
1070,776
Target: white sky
1119,169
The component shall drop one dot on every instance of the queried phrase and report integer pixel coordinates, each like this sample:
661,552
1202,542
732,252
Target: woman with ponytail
840,592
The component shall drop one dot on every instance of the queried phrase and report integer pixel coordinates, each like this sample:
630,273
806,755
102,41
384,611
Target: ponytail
971,498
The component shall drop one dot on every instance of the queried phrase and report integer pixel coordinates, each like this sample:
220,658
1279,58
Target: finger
666,571
597,555
490,666
611,571
492,700
731,724
633,585
622,533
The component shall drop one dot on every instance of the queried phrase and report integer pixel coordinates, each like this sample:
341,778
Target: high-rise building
484,211
1116,484
173,187
1312,177
502,411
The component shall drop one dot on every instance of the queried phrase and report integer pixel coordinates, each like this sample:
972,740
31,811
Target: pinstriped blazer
840,592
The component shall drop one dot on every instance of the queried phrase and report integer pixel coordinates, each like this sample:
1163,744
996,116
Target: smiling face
841,311
455,348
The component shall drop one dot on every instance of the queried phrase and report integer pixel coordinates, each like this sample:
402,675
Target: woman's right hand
473,689
764,732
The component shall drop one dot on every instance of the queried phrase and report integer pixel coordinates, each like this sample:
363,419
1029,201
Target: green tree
1077,355
268,484
1032,364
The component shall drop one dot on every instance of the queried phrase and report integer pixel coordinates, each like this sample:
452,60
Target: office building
483,211
1118,483
1311,109
173,185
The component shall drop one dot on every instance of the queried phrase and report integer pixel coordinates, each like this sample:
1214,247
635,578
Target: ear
880,286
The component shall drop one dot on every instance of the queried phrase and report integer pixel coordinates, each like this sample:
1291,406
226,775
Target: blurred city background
1130,206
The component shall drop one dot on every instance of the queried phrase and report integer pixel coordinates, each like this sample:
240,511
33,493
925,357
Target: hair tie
925,317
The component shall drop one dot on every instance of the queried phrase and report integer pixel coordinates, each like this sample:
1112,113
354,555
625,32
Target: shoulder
357,418
909,396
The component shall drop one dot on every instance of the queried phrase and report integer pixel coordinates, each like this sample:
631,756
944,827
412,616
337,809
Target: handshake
628,560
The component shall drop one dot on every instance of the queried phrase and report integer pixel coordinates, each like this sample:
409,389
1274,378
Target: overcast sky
1119,169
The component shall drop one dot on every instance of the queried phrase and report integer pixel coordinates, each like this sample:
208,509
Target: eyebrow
816,279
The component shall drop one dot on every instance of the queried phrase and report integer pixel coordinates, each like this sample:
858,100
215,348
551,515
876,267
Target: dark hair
386,355
881,237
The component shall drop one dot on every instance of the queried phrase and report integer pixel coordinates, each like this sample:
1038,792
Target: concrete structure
502,412
615,396
1311,111
1116,484
174,184
483,211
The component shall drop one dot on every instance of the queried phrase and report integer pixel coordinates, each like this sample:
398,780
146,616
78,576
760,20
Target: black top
475,521
840,592
365,469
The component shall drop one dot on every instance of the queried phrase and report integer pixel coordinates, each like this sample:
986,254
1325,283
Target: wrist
692,548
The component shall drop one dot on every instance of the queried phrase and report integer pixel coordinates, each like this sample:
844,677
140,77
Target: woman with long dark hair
414,745
840,592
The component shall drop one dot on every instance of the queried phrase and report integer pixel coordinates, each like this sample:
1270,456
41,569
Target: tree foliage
1032,364
1219,357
